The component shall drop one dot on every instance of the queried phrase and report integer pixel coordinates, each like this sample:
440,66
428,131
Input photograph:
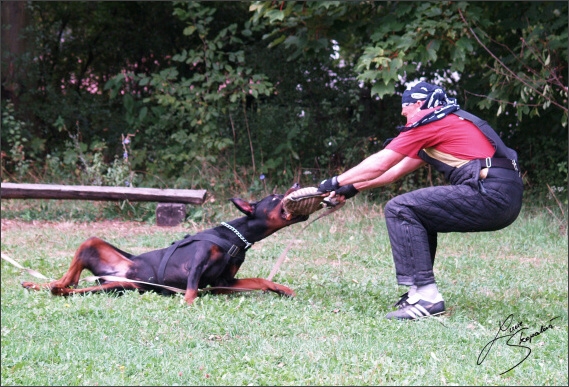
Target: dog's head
268,215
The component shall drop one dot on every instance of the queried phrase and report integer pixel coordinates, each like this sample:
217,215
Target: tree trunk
14,21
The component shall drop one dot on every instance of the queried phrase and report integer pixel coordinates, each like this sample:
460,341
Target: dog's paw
31,286
59,291
284,291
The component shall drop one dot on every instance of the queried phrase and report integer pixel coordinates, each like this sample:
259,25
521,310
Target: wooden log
83,192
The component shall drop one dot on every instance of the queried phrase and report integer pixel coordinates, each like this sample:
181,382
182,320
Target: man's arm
402,168
379,169
371,168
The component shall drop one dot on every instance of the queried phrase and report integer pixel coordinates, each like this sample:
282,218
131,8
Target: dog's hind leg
257,284
95,255
105,287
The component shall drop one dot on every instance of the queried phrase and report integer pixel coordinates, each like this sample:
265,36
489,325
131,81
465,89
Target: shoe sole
416,318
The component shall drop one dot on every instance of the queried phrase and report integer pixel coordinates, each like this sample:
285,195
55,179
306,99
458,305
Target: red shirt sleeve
451,135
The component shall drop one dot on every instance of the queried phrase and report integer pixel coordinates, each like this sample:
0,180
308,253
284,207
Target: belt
499,167
503,173
498,162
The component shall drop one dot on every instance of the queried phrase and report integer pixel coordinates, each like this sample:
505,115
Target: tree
15,18
72,49
183,107
402,41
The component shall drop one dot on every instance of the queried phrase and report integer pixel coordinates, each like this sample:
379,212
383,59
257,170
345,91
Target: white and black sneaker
417,307
402,302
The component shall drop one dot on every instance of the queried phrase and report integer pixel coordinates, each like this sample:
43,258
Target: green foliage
20,149
87,161
432,40
186,116
216,94
529,72
73,49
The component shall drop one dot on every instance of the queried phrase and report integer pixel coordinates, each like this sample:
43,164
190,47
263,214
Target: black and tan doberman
209,258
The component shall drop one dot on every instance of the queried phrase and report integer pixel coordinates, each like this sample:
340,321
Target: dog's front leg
208,260
192,285
262,284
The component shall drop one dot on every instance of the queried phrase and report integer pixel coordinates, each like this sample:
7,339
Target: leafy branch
515,76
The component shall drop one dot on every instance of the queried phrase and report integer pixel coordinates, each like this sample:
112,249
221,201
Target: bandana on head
434,96
419,92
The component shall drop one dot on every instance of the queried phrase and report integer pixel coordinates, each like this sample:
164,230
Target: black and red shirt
451,140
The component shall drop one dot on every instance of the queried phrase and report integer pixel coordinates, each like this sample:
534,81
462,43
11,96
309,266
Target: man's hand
329,185
347,191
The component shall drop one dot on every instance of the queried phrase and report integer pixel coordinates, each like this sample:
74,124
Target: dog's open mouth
291,217
300,218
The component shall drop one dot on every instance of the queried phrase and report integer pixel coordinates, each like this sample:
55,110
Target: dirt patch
96,228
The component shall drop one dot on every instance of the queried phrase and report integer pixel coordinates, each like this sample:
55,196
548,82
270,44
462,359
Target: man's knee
392,208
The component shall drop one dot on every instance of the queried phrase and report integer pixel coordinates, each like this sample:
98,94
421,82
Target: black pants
414,219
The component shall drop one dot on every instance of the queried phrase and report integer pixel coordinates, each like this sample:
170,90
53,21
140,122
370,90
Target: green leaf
128,102
277,41
275,15
381,89
142,113
189,30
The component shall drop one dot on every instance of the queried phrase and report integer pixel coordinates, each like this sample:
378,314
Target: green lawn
332,333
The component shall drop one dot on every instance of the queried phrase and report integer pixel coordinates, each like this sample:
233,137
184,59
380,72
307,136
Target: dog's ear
243,206
294,187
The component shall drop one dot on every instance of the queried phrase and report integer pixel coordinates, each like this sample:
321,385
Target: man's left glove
329,185
347,191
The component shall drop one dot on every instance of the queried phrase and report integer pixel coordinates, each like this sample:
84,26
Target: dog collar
247,244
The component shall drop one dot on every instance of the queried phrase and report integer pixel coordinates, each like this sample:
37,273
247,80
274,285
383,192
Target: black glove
347,191
329,185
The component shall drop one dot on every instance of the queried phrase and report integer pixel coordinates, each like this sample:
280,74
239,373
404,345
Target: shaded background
238,97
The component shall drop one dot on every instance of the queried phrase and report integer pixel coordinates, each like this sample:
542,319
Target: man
485,191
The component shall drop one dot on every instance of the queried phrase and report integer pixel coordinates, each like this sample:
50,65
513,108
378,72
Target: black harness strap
504,156
166,258
230,248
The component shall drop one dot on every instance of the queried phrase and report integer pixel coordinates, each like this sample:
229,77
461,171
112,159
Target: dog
209,258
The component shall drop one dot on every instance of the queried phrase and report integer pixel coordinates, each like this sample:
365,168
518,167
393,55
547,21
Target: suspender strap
502,151
504,157
231,249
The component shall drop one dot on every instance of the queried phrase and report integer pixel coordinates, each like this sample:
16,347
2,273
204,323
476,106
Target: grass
332,333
